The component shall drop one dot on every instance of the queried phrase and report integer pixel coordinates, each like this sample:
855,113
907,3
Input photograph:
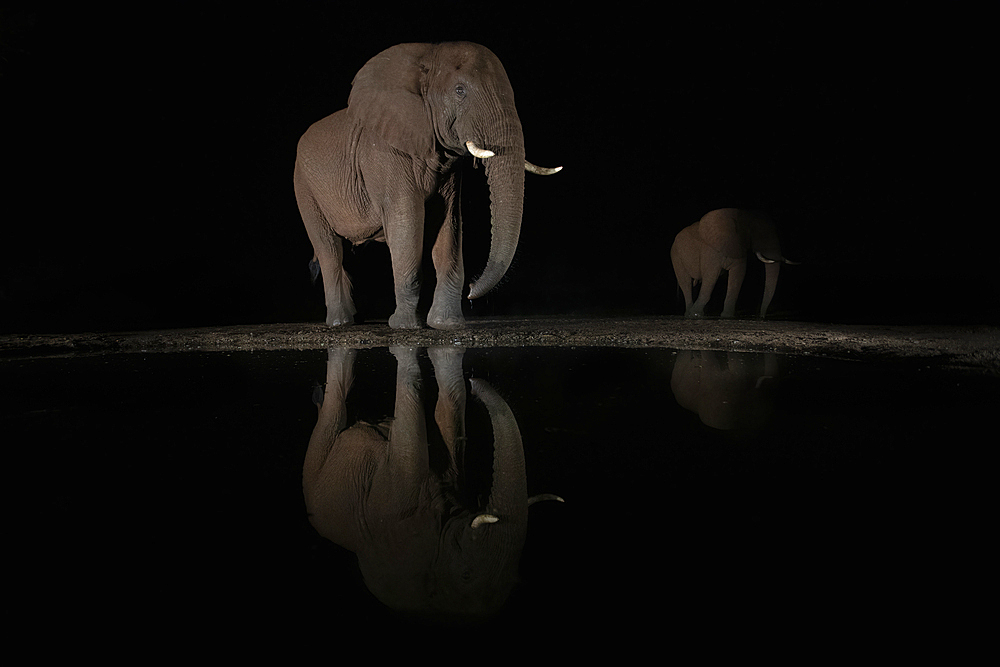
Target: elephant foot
446,323
446,317
405,321
339,320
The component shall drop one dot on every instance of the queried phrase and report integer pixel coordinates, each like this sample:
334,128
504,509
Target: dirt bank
973,347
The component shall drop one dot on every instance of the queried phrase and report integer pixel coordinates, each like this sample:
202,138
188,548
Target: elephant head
454,95
721,241
423,547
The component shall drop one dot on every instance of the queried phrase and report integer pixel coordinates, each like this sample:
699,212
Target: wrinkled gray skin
727,390
721,241
365,173
370,488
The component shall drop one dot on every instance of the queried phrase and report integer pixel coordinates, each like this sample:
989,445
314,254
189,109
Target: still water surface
701,489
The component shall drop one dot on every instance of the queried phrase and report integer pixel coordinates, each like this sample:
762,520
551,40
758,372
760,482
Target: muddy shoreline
975,347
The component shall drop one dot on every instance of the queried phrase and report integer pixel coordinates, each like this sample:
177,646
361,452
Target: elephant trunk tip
475,291
487,281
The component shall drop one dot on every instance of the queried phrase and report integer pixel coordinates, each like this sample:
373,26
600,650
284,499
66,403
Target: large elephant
719,242
416,112
423,547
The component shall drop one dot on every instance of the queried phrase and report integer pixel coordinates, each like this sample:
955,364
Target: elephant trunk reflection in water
371,489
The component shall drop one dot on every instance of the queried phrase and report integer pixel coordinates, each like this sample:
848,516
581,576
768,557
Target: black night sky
148,157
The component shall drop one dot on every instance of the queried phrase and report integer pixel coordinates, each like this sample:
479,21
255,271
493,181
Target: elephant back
719,229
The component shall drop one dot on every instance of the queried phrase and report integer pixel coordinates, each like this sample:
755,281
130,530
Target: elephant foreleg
446,310
404,232
737,271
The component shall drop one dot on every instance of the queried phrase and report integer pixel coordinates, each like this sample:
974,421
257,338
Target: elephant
416,113
377,489
725,389
721,241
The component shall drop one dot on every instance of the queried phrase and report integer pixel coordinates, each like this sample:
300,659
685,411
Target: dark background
148,155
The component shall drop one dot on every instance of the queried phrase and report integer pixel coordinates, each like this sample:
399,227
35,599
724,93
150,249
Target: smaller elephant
719,242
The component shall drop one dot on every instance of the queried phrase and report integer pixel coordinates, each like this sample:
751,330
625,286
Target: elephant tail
314,269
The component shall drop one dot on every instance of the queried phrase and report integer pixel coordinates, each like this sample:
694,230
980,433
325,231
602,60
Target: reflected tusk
544,496
764,259
483,518
541,171
788,261
481,153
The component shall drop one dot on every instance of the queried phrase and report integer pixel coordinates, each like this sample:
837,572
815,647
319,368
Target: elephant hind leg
708,281
336,283
685,281
328,261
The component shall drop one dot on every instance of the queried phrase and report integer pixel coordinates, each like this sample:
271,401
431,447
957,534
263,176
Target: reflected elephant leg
449,412
332,417
408,457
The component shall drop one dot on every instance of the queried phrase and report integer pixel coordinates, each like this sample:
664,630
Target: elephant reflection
370,488
725,389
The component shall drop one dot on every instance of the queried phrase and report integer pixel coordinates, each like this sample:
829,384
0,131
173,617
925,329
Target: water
705,492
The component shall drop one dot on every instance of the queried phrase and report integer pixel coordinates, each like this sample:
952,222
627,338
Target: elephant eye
460,91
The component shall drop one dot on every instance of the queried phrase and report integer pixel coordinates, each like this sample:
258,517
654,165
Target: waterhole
677,488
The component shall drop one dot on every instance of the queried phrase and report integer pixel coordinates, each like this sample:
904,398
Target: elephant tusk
481,153
541,171
544,496
483,518
764,259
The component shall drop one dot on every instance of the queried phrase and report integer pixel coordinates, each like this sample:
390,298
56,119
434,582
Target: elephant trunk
771,270
505,176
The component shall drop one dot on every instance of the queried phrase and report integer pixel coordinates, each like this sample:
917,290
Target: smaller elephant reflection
721,241
725,389
372,488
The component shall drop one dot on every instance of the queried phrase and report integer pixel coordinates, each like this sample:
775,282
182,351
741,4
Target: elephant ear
386,98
